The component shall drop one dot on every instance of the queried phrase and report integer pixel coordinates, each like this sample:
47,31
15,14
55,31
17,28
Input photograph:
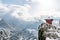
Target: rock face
5,30
3,35
48,30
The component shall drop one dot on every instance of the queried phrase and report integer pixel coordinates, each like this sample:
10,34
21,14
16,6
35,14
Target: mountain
26,34
21,24
5,25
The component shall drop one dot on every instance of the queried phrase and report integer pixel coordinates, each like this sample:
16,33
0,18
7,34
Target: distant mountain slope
28,34
5,25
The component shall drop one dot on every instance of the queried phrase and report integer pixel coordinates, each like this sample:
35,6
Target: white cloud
21,12
17,11
45,7
3,9
36,8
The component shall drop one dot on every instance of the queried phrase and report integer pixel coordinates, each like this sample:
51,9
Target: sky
30,9
28,12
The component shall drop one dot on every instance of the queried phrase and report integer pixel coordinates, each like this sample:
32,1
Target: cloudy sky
27,13
30,9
